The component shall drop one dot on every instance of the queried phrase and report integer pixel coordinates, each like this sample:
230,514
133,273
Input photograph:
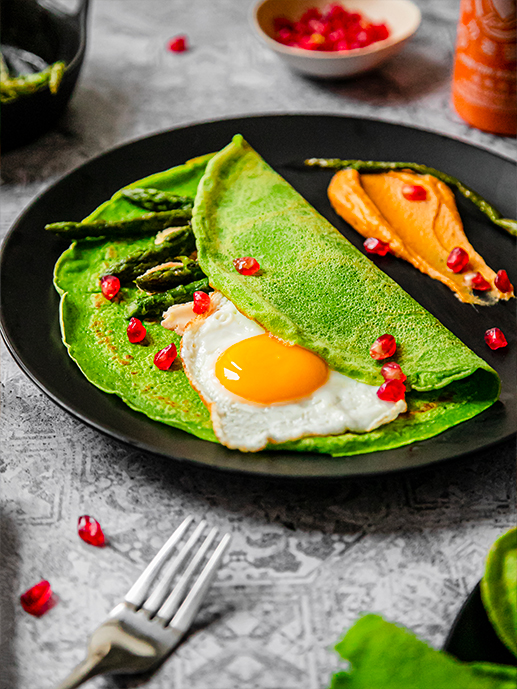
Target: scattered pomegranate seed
502,282
495,338
246,265
332,29
110,286
136,331
457,260
392,371
36,600
392,391
414,192
201,302
90,531
165,357
178,44
375,246
383,347
477,281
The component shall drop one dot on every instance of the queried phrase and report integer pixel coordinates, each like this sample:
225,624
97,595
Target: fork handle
83,672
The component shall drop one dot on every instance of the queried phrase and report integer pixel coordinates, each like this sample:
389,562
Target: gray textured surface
305,559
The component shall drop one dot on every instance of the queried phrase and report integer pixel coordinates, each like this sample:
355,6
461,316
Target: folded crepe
315,289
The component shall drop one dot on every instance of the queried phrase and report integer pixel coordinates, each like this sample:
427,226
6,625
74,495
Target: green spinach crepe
314,289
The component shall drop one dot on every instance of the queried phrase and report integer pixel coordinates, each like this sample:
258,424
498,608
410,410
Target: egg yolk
264,370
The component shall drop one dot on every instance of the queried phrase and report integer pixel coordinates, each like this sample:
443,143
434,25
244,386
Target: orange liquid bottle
484,81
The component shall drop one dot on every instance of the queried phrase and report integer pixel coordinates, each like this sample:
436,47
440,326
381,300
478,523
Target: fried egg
262,390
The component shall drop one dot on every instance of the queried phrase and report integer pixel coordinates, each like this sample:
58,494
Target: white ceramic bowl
402,18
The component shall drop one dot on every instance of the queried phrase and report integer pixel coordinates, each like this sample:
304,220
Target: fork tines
157,600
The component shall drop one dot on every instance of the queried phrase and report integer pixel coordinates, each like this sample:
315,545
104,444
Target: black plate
472,637
29,319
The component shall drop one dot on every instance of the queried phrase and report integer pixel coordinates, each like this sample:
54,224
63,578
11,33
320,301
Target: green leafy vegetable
499,588
383,655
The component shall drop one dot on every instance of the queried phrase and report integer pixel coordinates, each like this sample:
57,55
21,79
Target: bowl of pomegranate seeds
333,40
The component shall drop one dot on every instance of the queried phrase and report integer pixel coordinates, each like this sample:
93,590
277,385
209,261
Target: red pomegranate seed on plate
178,44
414,192
495,338
90,531
201,302
457,260
392,371
36,599
502,282
166,357
392,391
375,246
383,347
110,286
477,281
136,331
247,265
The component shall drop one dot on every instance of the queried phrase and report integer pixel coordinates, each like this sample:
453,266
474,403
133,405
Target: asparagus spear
181,241
150,223
57,71
153,305
156,200
14,87
378,166
162,278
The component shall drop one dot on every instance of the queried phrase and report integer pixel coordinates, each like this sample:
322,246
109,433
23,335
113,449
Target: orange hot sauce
484,81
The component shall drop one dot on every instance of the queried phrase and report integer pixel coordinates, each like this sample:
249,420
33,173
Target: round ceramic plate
29,302
472,637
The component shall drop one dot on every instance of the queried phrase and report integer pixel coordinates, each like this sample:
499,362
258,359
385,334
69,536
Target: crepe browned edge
94,331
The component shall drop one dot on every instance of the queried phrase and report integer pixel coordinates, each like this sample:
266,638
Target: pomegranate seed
375,246
110,286
382,32
282,23
165,357
383,347
201,302
495,338
477,281
392,391
414,192
457,259
392,371
333,29
284,35
502,282
136,331
246,265
178,44
36,600
90,531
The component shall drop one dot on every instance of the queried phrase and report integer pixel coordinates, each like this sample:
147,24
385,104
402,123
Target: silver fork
151,620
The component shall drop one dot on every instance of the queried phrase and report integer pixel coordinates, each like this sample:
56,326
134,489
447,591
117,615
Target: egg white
339,405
